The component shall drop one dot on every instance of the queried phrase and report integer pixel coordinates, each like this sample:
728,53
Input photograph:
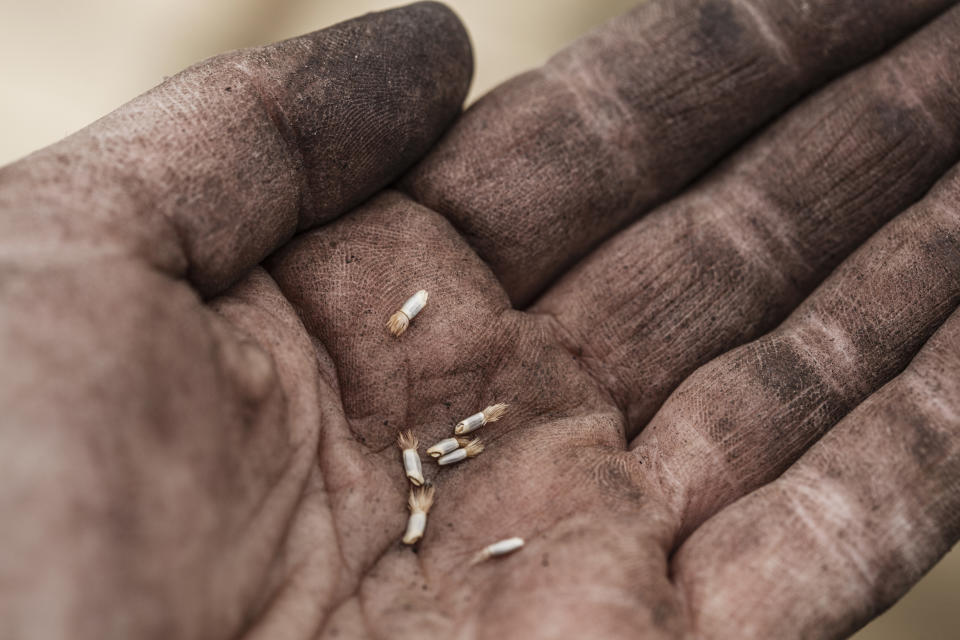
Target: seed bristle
463,441
474,447
398,323
406,440
494,412
421,499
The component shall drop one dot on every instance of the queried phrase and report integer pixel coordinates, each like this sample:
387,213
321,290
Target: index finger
210,171
546,166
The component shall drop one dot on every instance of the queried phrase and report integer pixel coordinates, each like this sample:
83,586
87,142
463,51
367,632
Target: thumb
206,174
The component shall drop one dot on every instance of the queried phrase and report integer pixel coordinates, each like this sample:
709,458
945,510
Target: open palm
733,373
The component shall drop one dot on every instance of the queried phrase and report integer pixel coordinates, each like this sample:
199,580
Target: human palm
732,372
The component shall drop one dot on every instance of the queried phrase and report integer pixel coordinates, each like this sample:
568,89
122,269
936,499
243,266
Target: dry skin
735,395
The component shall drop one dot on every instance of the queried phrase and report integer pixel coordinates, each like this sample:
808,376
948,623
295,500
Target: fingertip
452,40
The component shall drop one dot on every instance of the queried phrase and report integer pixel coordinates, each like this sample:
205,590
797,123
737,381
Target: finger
850,527
210,171
547,165
727,261
742,419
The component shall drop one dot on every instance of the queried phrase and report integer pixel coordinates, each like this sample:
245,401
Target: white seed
416,524
415,304
455,456
411,459
477,420
445,446
471,449
503,547
499,548
411,464
467,425
400,320
419,503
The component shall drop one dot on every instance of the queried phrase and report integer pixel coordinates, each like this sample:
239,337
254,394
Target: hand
774,341
160,399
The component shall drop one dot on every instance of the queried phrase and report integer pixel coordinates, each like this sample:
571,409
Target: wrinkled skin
733,369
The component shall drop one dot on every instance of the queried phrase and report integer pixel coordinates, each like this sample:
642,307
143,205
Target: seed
400,320
477,420
419,503
411,459
471,449
500,548
447,445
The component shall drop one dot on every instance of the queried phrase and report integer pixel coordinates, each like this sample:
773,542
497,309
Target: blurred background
64,64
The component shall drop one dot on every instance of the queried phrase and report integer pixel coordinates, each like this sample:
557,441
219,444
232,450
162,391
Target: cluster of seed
448,451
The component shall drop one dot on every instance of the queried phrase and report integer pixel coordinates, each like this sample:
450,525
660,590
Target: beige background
64,64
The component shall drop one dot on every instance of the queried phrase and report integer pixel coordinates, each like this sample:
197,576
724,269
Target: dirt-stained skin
709,254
